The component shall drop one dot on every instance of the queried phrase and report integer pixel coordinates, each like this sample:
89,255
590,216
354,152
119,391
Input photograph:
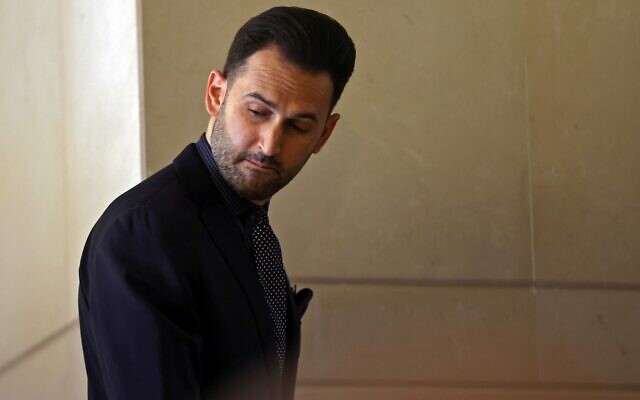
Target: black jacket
169,300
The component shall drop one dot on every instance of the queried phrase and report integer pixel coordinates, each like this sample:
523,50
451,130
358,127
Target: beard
250,184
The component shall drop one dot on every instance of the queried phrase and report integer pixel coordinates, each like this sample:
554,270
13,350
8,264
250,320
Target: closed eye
257,113
299,128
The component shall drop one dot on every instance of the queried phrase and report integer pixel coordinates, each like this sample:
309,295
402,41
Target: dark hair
311,40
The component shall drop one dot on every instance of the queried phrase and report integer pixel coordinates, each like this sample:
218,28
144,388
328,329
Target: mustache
262,158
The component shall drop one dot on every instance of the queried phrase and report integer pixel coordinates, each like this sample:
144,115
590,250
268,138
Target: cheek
240,133
298,151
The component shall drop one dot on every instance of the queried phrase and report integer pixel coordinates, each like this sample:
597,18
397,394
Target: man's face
268,122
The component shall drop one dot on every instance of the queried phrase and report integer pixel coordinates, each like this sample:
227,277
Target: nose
271,139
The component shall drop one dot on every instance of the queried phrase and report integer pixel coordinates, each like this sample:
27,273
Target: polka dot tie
268,257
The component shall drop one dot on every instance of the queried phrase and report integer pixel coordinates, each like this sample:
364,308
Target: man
183,294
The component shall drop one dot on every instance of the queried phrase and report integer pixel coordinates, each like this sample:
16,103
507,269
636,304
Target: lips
260,165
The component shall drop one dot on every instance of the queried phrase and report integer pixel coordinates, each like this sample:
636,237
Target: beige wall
70,128
471,230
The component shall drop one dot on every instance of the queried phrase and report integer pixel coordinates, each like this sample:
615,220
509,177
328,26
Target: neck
209,132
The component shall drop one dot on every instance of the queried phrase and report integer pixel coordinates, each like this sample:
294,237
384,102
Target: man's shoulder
165,189
150,192
160,195
168,202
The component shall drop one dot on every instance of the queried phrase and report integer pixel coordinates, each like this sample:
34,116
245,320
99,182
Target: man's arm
142,321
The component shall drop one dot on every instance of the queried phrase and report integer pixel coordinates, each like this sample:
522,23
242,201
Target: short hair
311,40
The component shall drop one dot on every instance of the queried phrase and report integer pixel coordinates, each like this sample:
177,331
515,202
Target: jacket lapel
226,234
228,239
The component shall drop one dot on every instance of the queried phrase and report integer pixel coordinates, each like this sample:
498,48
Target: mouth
260,166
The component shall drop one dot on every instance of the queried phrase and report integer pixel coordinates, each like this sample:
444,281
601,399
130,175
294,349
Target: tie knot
262,215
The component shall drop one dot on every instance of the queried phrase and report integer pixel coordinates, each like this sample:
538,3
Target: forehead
269,74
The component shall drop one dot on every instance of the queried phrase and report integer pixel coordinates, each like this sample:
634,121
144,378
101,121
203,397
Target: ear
328,129
216,90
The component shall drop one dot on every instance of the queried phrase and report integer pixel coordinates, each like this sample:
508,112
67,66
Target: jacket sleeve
142,316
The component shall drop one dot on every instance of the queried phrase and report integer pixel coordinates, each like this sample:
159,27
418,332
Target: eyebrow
271,104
